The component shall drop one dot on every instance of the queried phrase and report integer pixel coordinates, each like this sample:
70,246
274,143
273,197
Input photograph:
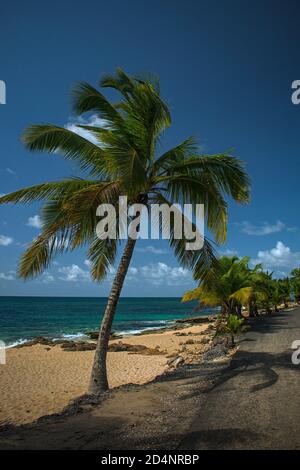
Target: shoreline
43,378
92,335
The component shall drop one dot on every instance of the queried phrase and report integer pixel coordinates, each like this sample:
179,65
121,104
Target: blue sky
226,70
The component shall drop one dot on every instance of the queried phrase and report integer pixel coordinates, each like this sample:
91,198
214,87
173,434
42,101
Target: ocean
25,318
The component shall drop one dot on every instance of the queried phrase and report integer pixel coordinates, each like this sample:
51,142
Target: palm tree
231,326
295,283
281,292
121,160
230,287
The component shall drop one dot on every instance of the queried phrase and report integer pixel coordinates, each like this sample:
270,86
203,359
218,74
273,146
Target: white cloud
47,278
264,229
2,194
281,256
155,274
5,241
7,277
91,121
73,273
34,221
151,249
87,263
160,273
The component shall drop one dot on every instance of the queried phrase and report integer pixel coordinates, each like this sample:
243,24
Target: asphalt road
255,403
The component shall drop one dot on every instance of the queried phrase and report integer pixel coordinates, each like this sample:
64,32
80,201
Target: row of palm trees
236,285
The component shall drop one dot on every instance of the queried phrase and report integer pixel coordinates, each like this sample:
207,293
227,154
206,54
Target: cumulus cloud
156,274
281,256
263,229
91,121
7,277
47,278
151,249
34,221
73,273
5,241
160,273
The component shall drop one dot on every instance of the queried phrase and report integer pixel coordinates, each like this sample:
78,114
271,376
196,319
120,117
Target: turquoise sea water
24,318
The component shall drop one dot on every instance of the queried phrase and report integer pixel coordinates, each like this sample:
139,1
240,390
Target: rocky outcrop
134,348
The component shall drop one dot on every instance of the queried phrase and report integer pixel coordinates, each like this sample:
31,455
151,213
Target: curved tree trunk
98,379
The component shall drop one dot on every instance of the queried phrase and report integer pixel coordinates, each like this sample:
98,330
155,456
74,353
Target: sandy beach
40,380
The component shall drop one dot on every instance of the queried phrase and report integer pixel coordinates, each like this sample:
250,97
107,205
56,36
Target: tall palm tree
123,160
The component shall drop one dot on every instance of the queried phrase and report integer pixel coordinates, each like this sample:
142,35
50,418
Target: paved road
252,404
255,404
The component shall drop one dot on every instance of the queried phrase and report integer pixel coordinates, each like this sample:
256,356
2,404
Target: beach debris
175,361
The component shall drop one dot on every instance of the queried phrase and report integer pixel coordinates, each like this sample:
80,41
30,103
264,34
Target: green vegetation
123,159
234,285
230,326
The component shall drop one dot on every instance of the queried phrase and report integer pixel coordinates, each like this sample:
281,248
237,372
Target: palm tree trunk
98,379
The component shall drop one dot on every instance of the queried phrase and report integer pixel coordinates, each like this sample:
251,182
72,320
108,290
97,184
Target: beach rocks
95,335
78,346
203,319
134,348
190,341
204,341
38,340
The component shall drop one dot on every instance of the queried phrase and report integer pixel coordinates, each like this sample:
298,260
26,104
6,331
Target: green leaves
87,99
52,139
124,161
231,286
52,190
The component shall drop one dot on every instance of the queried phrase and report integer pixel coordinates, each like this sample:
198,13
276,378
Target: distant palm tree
123,161
231,287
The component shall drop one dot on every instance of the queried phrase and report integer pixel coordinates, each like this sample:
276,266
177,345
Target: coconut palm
123,159
230,287
281,292
295,283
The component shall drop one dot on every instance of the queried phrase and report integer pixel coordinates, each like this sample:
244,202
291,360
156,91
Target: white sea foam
16,343
136,332
70,336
